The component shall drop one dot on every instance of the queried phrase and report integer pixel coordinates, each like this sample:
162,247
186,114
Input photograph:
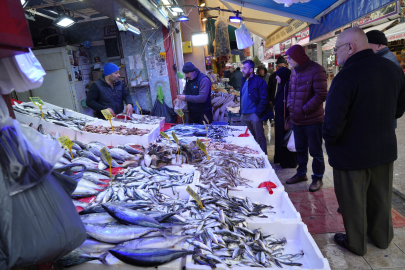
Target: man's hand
181,97
128,110
271,103
111,111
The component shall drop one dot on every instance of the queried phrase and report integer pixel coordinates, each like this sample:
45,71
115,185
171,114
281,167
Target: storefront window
312,52
328,58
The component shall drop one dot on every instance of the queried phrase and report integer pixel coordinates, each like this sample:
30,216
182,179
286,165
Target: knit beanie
377,37
281,60
297,53
189,67
110,68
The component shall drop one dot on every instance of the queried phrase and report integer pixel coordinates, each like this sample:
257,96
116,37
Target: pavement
318,212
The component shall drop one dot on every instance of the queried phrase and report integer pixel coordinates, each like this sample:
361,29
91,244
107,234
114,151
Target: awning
330,44
380,27
346,13
395,33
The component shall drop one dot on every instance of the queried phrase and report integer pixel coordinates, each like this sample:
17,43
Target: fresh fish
80,204
94,246
88,184
85,161
82,145
98,218
129,216
114,163
83,192
116,234
122,153
102,165
89,155
95,170
149,257
154,242
78,256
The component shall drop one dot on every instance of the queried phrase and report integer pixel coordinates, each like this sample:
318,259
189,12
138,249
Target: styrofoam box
282,204
182,189
298,239
250,142
240,130
177,264
162,121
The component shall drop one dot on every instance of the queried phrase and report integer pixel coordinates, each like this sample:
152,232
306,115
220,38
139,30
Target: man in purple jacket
308,91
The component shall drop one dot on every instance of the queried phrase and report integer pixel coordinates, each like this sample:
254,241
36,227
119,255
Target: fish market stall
141,119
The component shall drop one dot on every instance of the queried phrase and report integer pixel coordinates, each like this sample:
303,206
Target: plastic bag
243,37
27,157
222,44
40,224
289,141
23,72
162,110
179,104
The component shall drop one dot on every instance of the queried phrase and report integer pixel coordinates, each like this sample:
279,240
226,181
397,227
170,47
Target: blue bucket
218,123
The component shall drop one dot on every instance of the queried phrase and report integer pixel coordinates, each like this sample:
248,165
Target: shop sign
384,12
284,46
268,53
286,32
396,37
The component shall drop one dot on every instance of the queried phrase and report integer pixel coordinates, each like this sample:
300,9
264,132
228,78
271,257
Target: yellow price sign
38,102
194,195
106,155
181,114
165,135
177,141
202,147
107,114
139,106
67,143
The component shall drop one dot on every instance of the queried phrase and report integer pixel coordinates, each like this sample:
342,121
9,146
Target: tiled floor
319,212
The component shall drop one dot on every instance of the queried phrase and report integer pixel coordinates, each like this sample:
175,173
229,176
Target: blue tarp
344,14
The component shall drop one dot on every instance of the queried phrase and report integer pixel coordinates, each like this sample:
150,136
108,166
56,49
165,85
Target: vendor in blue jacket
254,104
108,92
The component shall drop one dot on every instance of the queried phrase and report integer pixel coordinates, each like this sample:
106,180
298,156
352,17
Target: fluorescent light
166,2
127,27
24,2
202,5
120,26
163,12
177,9
64,21
133,29
182,18
199,39
235,19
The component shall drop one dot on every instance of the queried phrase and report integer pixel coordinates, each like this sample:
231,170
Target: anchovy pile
118,130
144,119
53,116
229,147
216,133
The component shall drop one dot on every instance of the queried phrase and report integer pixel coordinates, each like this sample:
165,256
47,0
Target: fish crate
183,194
114,263
250,142
162,119
259,175
298,240
283,207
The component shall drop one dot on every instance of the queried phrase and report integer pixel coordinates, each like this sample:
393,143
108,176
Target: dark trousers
252,121
309,137
364,198
198,118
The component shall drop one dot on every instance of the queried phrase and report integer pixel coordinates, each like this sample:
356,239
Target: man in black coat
365,98
272,83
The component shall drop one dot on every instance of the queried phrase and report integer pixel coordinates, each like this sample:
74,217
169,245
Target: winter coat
386,53
363,101
102,96
257,88
308,91
236,79
271,87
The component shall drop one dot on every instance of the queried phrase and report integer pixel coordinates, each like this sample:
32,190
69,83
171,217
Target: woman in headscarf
282,155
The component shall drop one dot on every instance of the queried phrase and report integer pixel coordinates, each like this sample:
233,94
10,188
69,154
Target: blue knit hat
110,68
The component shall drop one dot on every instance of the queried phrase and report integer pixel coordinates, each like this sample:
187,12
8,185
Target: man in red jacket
308,91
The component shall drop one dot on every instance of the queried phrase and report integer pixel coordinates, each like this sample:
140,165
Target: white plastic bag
291,143
179,104
23,72
243,37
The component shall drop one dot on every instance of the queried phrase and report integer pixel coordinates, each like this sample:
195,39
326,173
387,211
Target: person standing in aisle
262,73
282,155
108,92
378,43
236,79
254,104
360,139
308,91
197,94
271,85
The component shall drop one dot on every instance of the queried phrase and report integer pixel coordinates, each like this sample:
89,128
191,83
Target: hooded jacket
308,89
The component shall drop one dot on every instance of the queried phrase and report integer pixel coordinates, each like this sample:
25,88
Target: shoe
315,185
340,240
296,179
338,210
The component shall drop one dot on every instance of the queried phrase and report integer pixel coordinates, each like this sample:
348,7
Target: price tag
206,129
206,119
38,102
67,143
181,114
194,195
107,114
165,135
202,147
139,106
177,141
108,158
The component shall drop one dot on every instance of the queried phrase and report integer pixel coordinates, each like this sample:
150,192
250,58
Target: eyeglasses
335,49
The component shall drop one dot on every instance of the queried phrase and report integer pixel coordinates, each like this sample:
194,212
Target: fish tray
298,239
240,130
177,264
245,141
182,189
284,208
162,121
